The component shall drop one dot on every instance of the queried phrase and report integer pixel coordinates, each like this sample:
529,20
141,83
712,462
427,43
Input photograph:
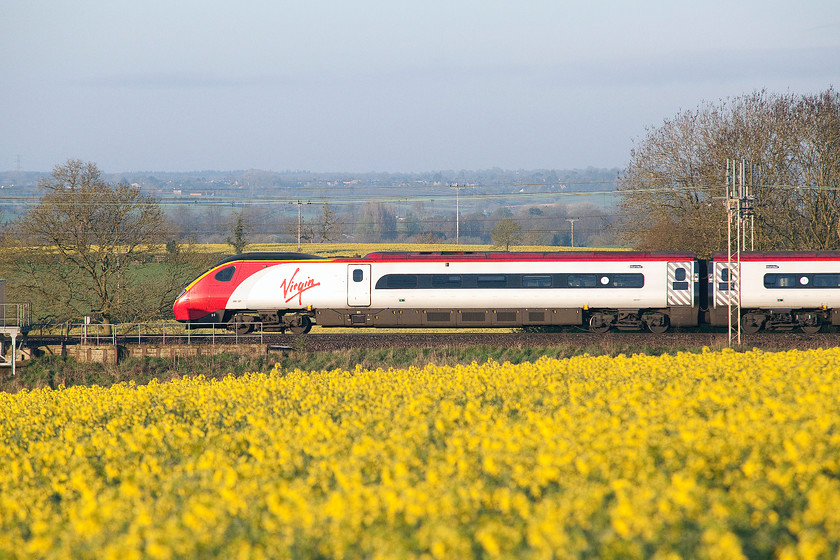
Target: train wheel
751,323
599,323
243,324
657,323
302,324
811,324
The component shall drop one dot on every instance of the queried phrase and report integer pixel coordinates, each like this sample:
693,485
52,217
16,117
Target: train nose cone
182,307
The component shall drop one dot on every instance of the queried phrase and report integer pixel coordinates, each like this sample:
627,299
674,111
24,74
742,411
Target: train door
725,284
358,285
681,284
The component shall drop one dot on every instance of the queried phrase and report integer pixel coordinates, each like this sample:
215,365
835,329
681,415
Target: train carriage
599,290
777,290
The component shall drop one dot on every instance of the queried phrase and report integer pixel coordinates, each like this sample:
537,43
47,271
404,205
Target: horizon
311,172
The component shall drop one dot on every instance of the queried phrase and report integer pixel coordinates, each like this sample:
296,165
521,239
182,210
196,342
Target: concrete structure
112,354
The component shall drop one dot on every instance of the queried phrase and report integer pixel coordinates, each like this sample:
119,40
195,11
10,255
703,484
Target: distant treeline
434,206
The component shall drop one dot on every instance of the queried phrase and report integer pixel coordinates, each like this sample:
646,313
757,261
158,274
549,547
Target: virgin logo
294,289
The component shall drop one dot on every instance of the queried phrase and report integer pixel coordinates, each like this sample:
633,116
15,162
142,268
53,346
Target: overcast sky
365,85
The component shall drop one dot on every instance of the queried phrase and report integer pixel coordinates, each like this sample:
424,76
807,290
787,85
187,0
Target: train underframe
810,321
596,320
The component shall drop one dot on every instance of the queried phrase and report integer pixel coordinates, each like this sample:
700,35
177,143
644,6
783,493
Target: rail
163,333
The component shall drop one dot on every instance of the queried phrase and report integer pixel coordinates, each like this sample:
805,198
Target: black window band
509,281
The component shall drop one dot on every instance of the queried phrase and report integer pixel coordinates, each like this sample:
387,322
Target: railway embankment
610,343
56,365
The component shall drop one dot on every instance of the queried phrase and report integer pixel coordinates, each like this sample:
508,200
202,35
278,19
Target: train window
723,286
582,280
802,280
358,275
826,281
226,274
628,281
491,281
510,281
679,279
785,280
399,281
446,281
533,281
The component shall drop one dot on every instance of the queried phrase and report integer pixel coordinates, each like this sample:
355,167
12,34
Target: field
709,455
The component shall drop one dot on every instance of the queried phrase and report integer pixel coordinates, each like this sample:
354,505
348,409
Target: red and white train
596,290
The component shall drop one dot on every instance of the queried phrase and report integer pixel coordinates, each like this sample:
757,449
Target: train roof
270,256
781,256
469,256
506,256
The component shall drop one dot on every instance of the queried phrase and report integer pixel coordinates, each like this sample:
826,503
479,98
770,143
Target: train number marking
296,288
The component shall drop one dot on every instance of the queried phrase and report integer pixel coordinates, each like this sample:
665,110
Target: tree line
412,222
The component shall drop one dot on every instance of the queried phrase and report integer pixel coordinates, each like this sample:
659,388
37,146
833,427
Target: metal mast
457,214
740,217
572,222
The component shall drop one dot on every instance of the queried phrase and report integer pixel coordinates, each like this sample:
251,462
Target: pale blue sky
384,85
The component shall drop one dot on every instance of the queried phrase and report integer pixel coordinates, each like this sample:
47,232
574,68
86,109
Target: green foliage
146,291
239,234
507,232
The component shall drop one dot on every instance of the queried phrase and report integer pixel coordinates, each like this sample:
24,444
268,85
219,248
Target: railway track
630,341
326,341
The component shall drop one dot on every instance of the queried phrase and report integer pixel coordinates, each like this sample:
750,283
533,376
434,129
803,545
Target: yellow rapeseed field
712,455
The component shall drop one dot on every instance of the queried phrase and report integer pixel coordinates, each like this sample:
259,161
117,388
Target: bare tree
673,187
329,227
667,186
81,240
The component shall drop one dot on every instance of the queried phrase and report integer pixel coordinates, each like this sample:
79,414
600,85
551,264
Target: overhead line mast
740,218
